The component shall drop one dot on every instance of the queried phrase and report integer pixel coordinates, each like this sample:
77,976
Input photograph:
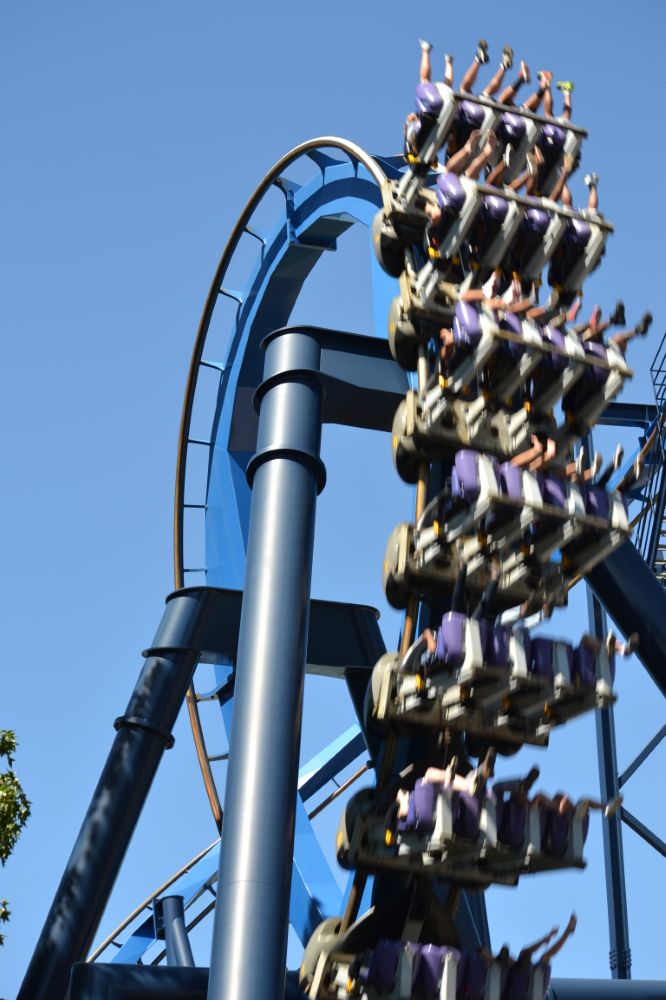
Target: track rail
356,154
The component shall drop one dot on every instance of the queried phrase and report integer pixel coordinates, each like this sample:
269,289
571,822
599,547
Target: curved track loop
355,153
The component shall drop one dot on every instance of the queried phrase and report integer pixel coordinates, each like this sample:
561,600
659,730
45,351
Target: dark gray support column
616,891
252,914
177,943
144,731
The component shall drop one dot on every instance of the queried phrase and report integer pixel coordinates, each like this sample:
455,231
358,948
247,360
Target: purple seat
537,220
473,978
598,351
552,139
596,501
577,233
429,970
541,657
450,194
555,836
465,475
511,481
451,639
423,798
470,115
511,128
512,323
466,815
553,491
495,208
466,325
511,820
555,337
428,99
384,964
495,644
517,982
585,667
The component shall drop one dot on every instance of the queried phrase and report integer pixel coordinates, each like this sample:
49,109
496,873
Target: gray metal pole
143,733
177,943
252,914
616,890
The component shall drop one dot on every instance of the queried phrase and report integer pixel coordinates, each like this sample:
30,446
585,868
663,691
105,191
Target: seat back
466,815
384,964
451,639
450,193
423,797
596,501
465,481
473,977
466,325
429,970
511,820
541,657
429,101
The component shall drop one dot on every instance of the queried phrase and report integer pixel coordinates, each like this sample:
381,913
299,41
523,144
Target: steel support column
255,861
144,731
177,943
616,892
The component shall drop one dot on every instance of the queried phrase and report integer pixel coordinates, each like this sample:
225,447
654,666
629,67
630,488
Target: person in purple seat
519,971
414,123
593,330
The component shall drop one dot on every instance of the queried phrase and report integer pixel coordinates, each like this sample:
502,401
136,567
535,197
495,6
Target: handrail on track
148,901
355,153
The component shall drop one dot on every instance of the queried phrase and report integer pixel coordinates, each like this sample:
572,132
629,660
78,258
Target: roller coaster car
419,437
508,504
400,970
397,970
432,572
495,684
476,839
413,321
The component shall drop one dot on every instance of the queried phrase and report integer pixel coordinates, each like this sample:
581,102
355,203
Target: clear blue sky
133,133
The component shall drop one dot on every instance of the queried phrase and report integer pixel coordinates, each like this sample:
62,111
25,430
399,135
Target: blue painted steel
616,890
118,799
260,797
336,756
322,209
177,944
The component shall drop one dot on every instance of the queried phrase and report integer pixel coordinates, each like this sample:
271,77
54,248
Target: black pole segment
143,733
177,943
636,600
101,981
257,849
616,890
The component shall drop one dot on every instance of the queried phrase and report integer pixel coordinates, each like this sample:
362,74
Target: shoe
617,317
591,180
639,465
426,46
644,325
566,86
507,57
617,457
448,58
631,644
597,462
613,806
524,71
482,51
545,77
507,155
